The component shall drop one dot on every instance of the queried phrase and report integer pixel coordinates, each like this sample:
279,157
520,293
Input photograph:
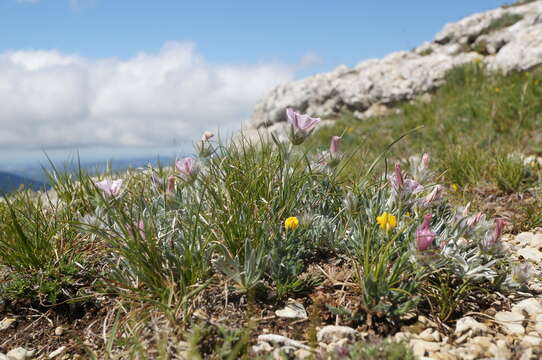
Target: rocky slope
505,39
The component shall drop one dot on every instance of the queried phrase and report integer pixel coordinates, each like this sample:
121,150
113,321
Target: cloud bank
56,100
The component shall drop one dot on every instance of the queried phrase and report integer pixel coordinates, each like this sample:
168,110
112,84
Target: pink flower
402,186
332,157
203,147
425,161
434,195
188,168
301,126
207,135
492,240
475,219
424,236
334,147
396,180
499,227
111,188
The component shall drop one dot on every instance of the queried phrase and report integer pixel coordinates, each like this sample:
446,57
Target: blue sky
75,67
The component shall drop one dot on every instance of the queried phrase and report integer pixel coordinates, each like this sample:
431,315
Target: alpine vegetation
193,260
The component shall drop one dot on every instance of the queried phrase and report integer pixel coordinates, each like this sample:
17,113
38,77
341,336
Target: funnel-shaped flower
203,147
334,147
111,188
434,195
402,186
474,219
332,157
207,135
396,180
424,236
301,126
493,236
188,168
425,162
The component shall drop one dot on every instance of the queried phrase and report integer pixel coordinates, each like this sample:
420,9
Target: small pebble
57,352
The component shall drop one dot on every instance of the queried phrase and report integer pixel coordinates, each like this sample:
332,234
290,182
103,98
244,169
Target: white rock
471,326
536,242
500,350
483,341
524,238
530,340
531,254
3,357
527,354
334,333
401,336
426,335
531,306
512,322
522,53
6,323
279,353
19,354
262,347
538,324
421,347
402,76
303,354
472,351
59,330
57,352
293,310
281,341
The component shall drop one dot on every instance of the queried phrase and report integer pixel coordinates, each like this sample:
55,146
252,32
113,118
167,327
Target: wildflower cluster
257,216
211,197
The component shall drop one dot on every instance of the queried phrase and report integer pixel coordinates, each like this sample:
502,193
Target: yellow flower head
386,221
477,60
407,214
498,90
291,223
454,187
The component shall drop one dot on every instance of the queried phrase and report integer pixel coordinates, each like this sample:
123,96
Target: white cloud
310,59
51,99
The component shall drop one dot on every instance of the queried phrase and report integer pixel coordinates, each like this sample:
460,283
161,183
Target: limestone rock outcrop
504,39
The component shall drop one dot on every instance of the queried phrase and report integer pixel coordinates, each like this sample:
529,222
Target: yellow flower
498,90
454,187
386,221
407,214
533,164
349,130
291,223
477,60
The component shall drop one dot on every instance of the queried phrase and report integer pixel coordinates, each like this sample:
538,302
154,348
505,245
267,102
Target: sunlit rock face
504,39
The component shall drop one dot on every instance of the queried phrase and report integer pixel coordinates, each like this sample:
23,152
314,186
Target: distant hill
11,182
33,176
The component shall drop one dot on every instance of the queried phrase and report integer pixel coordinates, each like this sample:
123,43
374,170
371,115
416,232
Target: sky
135,78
